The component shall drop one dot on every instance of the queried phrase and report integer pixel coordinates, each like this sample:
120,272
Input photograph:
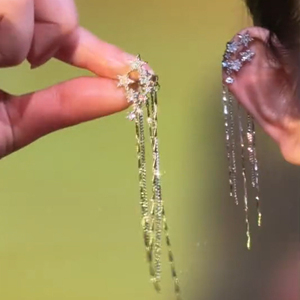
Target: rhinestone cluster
138,91
236,55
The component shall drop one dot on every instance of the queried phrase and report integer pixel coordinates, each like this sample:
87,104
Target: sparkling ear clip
237,54
141,87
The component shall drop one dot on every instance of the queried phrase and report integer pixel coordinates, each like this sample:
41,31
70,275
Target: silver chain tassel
246,135
244,175
251,138
237,54
230,142
142,93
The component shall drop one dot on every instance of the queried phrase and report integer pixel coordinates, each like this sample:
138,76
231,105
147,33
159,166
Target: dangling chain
230,143
251,137
233,60
246,206
142,93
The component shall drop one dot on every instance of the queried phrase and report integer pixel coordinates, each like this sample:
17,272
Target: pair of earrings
237,54
142,94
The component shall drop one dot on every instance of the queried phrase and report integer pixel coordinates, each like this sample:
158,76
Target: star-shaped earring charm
245,39
247,55
137,64
146,79
132,96
124,81
232,47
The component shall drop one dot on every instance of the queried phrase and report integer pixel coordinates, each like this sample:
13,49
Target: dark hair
282,19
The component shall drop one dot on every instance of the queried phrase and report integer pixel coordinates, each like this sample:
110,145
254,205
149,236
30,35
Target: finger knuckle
69,24
12,58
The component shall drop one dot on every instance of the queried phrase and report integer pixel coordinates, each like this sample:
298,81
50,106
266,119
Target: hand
37,30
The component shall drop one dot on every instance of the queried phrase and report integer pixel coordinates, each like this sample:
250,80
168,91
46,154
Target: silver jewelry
142,94
237,54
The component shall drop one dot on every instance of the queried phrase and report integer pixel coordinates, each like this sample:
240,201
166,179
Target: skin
32,30
266,88
284,281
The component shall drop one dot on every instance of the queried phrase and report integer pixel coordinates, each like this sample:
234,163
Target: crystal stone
137,64
245,39
229,80
132,96
225,64
235,65
131,116
247,55
124,81
232,47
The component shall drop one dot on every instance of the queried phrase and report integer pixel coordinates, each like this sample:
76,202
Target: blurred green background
69,205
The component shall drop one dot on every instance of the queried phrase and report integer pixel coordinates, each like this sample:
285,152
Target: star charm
148,90
247,55
124,81
142,98
137,64
235,65
146,79
138,91
245,39
232,47
132,96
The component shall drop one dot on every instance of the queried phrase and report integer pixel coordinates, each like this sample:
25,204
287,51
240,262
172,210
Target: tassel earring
237,54
142,94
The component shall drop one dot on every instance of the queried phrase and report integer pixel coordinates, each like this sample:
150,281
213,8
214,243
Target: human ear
265,87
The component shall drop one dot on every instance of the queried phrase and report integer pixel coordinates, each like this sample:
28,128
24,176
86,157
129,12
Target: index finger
84,50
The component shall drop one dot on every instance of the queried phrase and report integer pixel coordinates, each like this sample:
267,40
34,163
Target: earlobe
289,143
